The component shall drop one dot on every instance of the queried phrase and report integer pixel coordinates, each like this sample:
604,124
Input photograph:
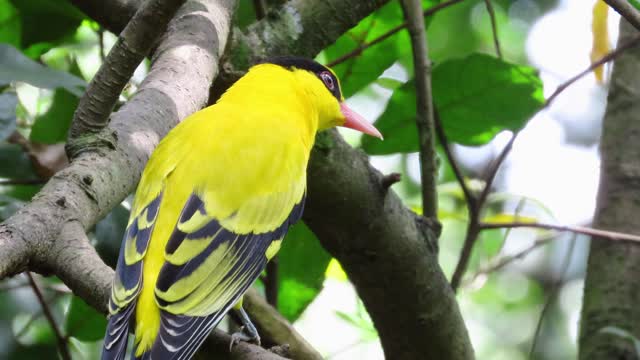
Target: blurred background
522,294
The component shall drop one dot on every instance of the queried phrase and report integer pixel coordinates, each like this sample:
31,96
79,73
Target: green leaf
83,322
360,71
59,18
14,66
8,103
635,4
477,97
52,126
302,263
10,26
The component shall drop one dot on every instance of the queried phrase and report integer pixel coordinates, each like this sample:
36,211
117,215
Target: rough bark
134,43
389,252
612,285
113,15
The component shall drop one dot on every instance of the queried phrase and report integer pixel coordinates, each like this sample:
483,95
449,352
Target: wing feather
198,284
127,282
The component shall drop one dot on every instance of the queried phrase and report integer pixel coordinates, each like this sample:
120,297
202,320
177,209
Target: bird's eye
328,80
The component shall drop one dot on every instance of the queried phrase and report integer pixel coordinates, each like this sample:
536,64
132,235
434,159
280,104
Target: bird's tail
115,341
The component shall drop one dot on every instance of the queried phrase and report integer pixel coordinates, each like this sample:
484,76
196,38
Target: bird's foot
246,334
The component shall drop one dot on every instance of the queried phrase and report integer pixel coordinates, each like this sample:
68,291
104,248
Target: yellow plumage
213,204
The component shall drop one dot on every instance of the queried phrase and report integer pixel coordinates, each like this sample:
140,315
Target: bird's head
324,86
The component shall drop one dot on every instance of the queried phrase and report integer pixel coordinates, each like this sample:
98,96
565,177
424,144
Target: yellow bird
213,205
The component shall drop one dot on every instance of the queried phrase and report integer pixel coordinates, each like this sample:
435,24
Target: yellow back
245,156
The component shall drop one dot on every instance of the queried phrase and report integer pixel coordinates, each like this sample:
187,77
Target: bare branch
275,329
555,287
475,212
494,27
503,261
444,142
635,41
62,341
473,229
627,11
357,51
610,235
424,114
134,43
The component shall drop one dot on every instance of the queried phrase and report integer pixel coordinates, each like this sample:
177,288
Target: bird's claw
243,336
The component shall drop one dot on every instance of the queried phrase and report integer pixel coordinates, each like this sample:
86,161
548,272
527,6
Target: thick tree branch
612,287
134,43
424,112
388,251
113,15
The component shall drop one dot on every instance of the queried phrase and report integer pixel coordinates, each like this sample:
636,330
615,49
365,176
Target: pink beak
356,122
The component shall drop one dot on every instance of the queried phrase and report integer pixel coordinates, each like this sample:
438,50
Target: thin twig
494,27
473,229
444,142
610,235
626,10
260,7
357,51
555,287
62,342
608,57
503,261
424,111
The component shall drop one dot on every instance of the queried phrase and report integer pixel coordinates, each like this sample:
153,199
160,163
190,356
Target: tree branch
424,115
113,15
357,51
62,342
444,142
611,288
385,249
610,235
275,329
494,27
627,11
134,43
475,211
619,50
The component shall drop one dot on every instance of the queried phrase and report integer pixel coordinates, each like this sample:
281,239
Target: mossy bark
612,285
